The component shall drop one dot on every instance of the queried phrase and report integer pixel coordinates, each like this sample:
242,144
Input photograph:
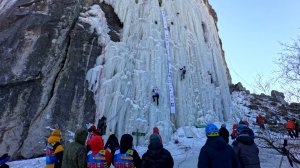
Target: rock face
48,47
44,56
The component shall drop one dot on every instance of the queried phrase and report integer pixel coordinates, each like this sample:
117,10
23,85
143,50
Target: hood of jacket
154,150
217,143
53,139
126,143
245,139
96,144
80,136
112,142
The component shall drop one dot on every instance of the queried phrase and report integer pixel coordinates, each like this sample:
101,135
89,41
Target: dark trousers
262,126
292,133
296,133
157,97
182,75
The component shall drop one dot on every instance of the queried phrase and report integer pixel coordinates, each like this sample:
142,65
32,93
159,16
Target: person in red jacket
156,131
290,126
260,121
98,157
234,131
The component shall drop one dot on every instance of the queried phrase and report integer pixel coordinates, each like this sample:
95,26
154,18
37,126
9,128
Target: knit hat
154,138
56,133
155,130
223,125
211,130
92,128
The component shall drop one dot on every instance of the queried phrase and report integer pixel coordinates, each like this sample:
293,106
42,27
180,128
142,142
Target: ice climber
126,156
54,150
155,94
98,157
75,155
112,144
156,131
245,148
157,155
223,132
183,71
290,126
216,153
3,159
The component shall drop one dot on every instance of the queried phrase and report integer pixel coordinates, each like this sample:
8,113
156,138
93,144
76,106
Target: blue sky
251,31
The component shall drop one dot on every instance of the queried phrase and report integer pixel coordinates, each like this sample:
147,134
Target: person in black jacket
156,156
246,149
216,153
112,143
223,132
126,154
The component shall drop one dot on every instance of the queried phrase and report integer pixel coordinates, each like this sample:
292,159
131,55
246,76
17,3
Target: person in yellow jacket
54,150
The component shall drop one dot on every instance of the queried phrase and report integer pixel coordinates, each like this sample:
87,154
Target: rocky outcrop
44,57
279,96
274,108
238,87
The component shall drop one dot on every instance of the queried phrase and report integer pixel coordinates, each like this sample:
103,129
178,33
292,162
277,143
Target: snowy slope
127,71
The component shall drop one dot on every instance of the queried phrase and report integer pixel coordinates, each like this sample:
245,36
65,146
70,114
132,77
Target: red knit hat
92,128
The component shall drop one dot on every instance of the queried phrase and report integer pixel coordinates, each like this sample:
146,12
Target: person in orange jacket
260,121
290,126
98,157
54,150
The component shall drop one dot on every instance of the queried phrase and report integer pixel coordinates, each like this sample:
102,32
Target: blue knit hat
211,130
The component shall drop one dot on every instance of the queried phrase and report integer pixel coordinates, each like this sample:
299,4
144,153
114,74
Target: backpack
123,160
50,156
96,161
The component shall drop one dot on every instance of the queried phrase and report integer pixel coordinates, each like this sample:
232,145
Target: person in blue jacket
216,153
3,159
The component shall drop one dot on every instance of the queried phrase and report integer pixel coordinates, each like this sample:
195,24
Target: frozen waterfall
127,71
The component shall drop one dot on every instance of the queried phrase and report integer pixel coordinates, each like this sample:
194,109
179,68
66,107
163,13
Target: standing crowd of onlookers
88,151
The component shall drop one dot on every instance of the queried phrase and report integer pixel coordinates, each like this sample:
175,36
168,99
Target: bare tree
289,69
263,85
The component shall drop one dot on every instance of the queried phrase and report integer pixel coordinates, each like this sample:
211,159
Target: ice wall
127,71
